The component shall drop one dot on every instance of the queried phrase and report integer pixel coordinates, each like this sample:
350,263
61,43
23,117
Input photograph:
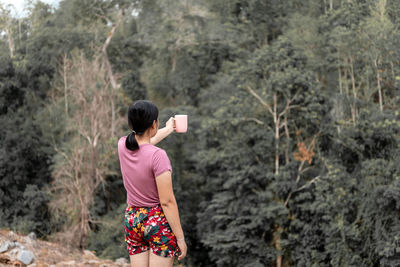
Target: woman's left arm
164,132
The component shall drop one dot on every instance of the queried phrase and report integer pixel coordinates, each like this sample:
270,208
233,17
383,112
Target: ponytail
141,115
131,142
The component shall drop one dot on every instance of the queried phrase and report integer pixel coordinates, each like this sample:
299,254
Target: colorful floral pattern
148,228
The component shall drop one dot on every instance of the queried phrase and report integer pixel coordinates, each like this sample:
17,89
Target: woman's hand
170,124
183,248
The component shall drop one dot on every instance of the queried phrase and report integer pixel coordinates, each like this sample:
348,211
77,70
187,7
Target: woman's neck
144,139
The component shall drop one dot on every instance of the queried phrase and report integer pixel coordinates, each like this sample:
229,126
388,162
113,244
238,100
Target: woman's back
139,169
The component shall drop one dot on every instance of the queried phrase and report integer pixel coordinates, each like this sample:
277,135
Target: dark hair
141,115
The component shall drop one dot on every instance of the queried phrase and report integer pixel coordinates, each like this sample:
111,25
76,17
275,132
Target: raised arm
170,208
164,132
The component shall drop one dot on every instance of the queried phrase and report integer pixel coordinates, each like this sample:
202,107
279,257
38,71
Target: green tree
274,92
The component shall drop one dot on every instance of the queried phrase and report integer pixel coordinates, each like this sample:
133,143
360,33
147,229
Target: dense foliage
291,158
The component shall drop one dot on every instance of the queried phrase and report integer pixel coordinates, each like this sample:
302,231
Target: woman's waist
146,211
136,208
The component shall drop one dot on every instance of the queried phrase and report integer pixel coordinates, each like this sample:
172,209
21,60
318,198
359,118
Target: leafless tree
81,165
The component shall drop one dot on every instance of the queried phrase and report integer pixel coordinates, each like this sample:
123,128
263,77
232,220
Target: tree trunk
278,247
10,41
287,139
65,84
277,126
346,84
113,81
378,78
353,84
392,69
353,80
276,122
113,118
174,55
340,80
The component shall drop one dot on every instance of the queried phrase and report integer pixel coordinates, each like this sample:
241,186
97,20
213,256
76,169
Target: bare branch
113,81
265,104
315,179
253,119
288,106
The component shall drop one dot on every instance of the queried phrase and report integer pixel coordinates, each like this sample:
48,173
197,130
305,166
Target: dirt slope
49,254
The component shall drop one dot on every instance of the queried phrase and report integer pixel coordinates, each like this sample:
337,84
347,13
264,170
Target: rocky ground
20,250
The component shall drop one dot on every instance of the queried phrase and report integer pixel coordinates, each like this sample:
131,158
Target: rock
4,247
26,257
31,242
66,263
18,245
89,253
13,244
13,253
12,236
32,265
32,236
121,261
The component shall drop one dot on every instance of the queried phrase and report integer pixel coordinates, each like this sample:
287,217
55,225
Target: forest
293,146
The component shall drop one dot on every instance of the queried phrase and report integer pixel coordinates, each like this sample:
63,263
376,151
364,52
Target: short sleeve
161,163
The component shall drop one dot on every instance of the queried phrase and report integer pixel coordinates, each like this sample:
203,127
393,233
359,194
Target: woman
153,231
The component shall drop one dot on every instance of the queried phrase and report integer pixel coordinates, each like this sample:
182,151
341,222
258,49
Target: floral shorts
148,228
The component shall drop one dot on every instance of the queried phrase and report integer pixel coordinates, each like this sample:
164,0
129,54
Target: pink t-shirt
139,169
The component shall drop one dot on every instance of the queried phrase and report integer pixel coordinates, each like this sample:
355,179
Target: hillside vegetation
292,152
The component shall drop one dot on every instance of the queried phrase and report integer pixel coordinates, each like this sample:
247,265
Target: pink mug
181,123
